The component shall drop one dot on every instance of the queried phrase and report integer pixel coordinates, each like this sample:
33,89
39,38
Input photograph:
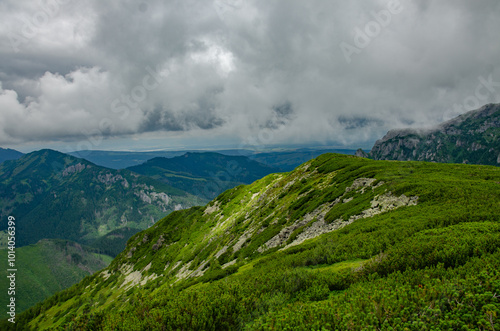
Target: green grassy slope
46,268
339,243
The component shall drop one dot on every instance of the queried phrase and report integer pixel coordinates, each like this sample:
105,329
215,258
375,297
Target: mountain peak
473,137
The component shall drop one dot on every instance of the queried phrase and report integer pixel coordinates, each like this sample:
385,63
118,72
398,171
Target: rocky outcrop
380,204
133,277
161,199
313,224
473,137
361,153
77,168
109,179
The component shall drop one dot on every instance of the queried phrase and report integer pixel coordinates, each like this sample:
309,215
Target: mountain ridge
473,137
285,159
204,174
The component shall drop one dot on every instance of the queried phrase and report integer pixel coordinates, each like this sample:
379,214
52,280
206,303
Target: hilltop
339,243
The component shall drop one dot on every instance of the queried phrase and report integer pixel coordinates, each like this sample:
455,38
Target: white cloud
225,66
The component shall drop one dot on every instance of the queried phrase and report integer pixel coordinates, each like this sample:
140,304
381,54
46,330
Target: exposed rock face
473,137
134,278
109,178
150,197
361,153
73,169
314,224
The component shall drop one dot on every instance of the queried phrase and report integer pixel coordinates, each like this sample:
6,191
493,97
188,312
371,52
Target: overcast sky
131,75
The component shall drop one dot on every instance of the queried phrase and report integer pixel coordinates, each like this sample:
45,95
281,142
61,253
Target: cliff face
473,137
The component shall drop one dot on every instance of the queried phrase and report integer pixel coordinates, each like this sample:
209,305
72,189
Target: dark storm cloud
234,68
281,115
165,120
284,110
350,123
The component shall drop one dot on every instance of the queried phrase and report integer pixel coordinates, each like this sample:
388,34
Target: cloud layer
257,72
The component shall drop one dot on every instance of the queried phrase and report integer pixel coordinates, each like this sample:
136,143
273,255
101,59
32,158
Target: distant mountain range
122,160
9,154
204,174
473,137
283,160
55,195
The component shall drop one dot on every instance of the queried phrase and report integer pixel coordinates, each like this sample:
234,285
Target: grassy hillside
46,268
204,174
340,243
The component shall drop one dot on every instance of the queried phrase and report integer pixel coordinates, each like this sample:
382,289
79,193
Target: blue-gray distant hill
204,174
9,154
285,159
122,159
